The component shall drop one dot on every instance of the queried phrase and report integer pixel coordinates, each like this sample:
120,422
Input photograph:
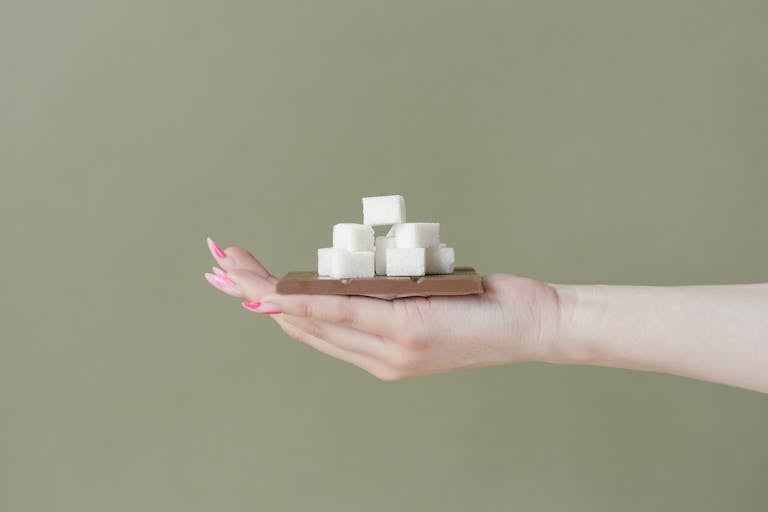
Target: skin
715,333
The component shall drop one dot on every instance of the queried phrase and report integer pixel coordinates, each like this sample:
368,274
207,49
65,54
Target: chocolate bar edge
464,281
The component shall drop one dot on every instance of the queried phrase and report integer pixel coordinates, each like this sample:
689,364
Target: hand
515,320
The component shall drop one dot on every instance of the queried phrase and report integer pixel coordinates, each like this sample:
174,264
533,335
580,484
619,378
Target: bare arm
715,333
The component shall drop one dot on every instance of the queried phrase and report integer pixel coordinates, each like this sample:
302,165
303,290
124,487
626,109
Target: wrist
575,338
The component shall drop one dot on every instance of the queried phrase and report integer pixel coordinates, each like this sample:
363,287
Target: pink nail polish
214,281
217,251
225,280
229,287
219,281
251,306
262,307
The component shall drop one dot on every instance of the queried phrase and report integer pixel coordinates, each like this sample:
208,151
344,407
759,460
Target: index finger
366,314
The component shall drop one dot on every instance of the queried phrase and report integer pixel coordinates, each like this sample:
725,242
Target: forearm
715,333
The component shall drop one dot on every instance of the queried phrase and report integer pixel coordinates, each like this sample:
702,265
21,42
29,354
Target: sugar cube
352,264
405,261
383,210
353,237
382,244
324,259
417,234
439,260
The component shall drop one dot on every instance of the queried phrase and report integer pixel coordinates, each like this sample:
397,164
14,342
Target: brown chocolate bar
463,281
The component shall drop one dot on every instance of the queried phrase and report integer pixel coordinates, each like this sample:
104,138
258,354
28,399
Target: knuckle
345,312
305,309
412,339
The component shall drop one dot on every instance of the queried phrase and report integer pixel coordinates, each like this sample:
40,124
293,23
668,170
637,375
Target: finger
339,336
233,258
253,285
365,314
242,259
224,284
323,346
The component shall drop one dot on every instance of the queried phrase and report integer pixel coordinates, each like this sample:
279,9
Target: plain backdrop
573,142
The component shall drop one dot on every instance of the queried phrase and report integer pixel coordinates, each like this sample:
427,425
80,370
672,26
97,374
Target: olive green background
613,142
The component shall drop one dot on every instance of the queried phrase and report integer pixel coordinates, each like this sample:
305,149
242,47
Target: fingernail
217,251
219,272
214,280
225,279
262,307
224,284
251,306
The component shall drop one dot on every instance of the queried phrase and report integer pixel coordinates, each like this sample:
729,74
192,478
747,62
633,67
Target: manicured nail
224,284
262,307
224,279
214,280
219,272
251,306
217,251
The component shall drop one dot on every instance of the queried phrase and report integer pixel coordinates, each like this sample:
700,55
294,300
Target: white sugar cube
351,264
405,261
383,210
417,234
324,256
382,244
325,260
353,237
439,260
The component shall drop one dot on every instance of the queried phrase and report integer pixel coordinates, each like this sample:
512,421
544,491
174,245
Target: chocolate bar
463,281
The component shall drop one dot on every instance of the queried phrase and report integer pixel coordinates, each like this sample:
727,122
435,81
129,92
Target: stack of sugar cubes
408,249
